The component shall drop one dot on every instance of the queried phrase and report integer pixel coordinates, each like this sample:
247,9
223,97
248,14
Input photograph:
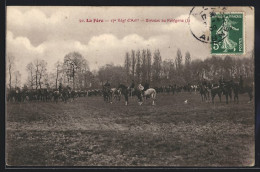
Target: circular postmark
204,21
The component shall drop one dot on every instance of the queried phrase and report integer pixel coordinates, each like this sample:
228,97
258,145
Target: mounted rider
140,92
146,85
132,87
107,86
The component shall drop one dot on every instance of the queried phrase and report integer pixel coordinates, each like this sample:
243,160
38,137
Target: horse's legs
226,98
201,97
219,95
212,97
126,99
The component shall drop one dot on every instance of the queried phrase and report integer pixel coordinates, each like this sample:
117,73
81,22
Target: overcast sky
50,33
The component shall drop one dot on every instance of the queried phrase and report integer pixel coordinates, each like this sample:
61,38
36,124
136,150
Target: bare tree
72,65
30,69
37,64
10,67
149,64
144,66
42,72
187,59
133,64
127,65
138,66
178,60
157,67
58,68
17,79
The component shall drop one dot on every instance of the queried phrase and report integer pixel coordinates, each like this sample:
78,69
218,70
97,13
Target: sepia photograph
132,86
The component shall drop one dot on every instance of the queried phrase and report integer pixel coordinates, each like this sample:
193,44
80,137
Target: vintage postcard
130,86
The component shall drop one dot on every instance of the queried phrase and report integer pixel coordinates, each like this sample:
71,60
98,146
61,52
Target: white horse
150,92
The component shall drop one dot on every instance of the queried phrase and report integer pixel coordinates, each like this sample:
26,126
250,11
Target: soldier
132,87
133,84
146,85
107,85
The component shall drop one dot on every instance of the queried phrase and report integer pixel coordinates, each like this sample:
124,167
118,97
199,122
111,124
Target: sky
50,33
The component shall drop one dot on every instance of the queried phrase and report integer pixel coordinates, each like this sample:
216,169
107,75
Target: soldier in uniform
107,85
146,85
132,87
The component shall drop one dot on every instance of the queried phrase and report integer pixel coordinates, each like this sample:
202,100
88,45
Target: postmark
201,25
230,30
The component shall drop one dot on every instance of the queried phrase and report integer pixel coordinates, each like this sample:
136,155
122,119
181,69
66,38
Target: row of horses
43,94
207,91
229,89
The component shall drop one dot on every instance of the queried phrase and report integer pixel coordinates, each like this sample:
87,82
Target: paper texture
130,86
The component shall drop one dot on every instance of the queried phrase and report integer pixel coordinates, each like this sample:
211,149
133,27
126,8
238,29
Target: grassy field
90,132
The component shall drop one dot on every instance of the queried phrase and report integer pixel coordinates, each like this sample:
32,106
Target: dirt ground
90,132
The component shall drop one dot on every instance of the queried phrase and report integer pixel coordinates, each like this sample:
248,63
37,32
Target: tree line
143,66
139,65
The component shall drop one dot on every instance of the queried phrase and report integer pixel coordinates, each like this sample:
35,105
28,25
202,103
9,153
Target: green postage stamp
227,33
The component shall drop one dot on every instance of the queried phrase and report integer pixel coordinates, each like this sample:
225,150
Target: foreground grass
90,132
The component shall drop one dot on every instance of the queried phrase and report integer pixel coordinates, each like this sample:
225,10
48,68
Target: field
90,132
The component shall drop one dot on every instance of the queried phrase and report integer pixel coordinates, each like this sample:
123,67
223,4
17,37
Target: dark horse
227,90
239,88
126,90
107,94
204,92
65,94
216,90
224,88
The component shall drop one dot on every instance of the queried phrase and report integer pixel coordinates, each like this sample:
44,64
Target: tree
58,68
187,59
149,64
10,67
17,79
157,66
133,64
37,64
42,72
72,65
144,66
178,60
114,74
30,69
127,65
187,72
138,66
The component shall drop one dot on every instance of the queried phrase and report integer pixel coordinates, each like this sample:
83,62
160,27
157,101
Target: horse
65,94
239,88
139,92
107,94
116,94
14,95
125,91
227,90
56,95
224,88
204,92
150,93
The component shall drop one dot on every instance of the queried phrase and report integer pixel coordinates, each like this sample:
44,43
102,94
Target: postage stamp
227,33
